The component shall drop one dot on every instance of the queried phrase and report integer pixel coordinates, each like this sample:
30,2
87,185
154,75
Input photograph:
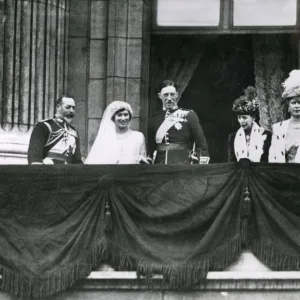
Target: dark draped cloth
275,225
179,221
57,223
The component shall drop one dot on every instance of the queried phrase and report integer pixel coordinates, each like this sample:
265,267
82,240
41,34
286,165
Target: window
264,12
188,13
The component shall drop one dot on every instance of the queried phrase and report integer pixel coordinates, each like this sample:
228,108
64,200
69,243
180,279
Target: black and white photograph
149,149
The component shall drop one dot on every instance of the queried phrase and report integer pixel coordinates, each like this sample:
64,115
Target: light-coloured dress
118,149
129,147
112,147
286,134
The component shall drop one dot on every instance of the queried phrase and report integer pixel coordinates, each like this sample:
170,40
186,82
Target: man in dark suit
175,135
55,140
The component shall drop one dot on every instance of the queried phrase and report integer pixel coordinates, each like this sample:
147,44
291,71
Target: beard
69,118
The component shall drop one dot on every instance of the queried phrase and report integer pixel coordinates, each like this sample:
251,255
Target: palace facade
100,51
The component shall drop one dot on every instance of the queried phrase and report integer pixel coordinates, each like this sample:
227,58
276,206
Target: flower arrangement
247,103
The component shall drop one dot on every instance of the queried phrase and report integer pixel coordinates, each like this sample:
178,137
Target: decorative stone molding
14,147
218,281
246,273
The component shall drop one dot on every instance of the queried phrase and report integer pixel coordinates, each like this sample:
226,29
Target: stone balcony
14,147
246,279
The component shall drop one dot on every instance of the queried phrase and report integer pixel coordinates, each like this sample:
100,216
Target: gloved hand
193,158
144,160
48,161
204,160
291,152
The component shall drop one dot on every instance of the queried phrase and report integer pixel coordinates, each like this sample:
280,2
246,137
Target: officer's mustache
69,115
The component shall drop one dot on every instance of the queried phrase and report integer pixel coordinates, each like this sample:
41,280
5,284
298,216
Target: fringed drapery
275,195
58,223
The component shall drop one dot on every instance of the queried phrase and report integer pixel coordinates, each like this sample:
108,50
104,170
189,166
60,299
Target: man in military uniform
55,140
175,135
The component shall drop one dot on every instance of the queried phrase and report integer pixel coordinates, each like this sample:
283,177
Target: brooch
178,126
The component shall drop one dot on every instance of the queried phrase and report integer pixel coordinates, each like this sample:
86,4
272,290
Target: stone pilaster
97,67
34,59
128,56
78,65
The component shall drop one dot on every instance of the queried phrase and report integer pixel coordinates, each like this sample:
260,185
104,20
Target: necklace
123,135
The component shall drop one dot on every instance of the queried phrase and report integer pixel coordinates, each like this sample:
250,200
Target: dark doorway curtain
224,70
174,58
216,69
274,58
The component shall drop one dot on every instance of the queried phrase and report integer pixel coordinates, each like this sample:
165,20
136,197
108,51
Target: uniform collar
172,110
61,122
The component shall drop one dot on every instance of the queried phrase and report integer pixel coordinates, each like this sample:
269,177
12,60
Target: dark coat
190,133
38,150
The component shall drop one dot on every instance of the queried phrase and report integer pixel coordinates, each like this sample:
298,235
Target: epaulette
186,111
45,120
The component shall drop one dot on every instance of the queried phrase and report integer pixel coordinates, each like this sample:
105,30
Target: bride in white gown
116,143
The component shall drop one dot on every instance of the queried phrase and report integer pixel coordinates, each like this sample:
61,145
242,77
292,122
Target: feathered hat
292,85
246,104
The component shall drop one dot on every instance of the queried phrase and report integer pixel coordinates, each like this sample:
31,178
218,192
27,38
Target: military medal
178,126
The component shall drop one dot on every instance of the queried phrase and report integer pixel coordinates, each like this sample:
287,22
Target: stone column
97,66
128,56
34,59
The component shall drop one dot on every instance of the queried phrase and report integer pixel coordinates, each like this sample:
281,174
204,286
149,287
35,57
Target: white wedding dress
113,148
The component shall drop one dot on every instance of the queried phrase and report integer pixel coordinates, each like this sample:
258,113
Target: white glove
48,161
204,160
144,160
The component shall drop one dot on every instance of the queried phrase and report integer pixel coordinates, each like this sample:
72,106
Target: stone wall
109,50
94,50
78,65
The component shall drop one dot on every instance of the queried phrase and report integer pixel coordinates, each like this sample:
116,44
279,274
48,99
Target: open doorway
223,67
224,70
